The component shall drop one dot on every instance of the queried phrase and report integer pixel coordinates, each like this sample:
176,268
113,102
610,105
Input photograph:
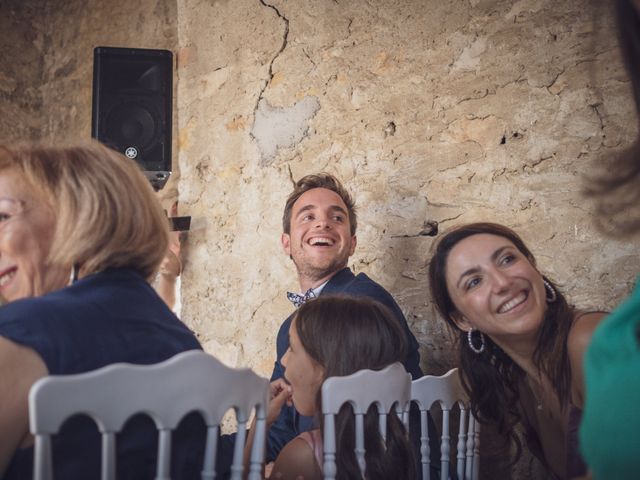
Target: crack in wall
601,121
366,263
450,219
525,168
440,204
285,39
315,65
553,82
429,229
534,164
293,180
594,107
277,127
469,98
262,304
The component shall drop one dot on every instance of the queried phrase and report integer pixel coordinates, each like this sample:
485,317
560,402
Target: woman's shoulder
26,308
582,328
50,305
50,302
297,459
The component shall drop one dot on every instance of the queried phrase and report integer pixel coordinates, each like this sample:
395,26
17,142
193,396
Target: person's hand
171,265
170,268
279,394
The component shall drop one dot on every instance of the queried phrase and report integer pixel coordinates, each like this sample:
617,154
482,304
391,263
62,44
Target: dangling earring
551,295
477,350
73,276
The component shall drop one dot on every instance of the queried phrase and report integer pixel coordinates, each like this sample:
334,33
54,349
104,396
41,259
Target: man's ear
461,321
354,242
285,240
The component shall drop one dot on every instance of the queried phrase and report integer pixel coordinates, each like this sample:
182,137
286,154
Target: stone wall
432,113
21,70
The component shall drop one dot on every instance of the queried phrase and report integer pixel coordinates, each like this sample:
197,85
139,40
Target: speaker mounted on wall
132,106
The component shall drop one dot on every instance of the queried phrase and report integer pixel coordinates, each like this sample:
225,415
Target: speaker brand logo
131,152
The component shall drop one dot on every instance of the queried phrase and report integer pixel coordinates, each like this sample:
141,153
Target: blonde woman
85,216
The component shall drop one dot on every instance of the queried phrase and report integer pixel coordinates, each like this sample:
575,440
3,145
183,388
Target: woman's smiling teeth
322,241
513,303
6,278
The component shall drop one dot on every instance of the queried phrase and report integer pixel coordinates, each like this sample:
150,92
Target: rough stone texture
21,69
47,61
433,113
281,128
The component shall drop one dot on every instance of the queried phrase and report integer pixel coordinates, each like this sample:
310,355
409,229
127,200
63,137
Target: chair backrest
447,391
190,381
387,389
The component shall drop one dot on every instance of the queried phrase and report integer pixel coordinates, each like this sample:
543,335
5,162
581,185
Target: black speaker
132,106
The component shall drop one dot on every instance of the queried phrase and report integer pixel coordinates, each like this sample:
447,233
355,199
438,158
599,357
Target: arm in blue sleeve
412,362
282,431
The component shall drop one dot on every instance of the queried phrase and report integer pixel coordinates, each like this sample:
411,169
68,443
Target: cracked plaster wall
429,111
433,113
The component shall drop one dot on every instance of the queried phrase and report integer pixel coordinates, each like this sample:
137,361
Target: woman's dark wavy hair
617,189
343,335
492,378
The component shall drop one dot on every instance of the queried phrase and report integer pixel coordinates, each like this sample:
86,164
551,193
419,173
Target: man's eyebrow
338,208
333,208
306,208
473,270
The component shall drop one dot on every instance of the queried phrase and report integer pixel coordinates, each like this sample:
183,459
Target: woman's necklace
545,402
538,401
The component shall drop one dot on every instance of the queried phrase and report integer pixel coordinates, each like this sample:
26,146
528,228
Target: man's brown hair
319,180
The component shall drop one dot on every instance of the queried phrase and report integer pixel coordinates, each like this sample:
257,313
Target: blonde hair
106,213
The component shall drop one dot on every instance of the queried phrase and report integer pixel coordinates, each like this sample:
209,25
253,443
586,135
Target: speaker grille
132,106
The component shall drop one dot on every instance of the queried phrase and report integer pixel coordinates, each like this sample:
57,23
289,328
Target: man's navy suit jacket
290,424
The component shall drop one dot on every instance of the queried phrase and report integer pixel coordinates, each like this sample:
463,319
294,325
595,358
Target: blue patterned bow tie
298,299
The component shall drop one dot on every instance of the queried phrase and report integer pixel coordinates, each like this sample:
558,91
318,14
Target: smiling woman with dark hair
521,345
87,217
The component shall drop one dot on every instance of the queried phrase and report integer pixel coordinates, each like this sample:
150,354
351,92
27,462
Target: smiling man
319,225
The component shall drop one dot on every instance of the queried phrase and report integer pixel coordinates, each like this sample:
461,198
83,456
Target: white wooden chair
447,391
190,381
388,389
